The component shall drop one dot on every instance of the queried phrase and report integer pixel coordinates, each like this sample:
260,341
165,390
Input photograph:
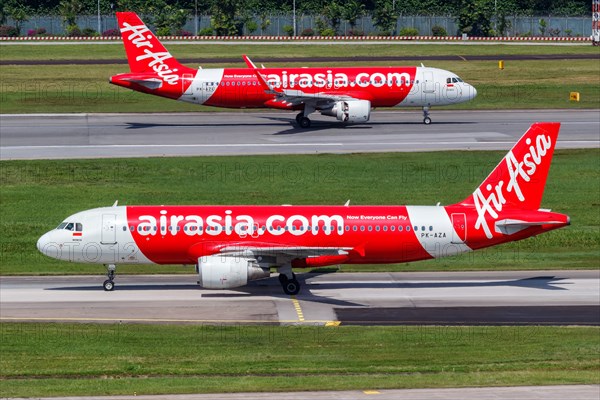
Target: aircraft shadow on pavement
317,125
146,125
539,282
294,129
270,288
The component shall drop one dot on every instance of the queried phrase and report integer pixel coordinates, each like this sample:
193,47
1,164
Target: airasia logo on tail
518,171
157,59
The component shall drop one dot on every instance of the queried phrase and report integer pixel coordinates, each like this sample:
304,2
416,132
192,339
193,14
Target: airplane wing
249,62
291,251
245,249
294,97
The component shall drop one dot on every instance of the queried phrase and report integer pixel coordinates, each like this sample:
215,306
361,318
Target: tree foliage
474,18
385,17
315,7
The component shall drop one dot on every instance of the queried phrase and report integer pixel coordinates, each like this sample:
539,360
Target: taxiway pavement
62,136
558,392
418,298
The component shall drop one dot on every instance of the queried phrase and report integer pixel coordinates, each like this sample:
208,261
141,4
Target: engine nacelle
224,272
350,111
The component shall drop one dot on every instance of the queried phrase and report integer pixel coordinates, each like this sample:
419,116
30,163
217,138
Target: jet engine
350,111
224,272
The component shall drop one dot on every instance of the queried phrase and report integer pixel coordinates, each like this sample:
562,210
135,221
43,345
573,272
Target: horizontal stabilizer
150,83
512,226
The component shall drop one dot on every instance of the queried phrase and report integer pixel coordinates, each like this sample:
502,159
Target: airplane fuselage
381,86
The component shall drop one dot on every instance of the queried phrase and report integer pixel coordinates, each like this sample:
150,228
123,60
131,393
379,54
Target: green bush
409,32
308,32
289,30
89,32
208,31
356,32
251,26
164,31
73,31
8,31
438,30
327,32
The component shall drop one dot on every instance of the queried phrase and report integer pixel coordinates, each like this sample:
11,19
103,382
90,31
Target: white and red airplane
231,245
346,93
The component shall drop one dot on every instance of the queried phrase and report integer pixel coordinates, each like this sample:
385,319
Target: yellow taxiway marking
332,323
371,392
298,309
164,320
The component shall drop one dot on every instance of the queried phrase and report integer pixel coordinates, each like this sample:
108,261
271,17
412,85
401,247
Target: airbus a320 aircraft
347,94
231,245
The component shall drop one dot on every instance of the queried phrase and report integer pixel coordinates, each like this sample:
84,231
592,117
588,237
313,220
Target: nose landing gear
109,284
426,119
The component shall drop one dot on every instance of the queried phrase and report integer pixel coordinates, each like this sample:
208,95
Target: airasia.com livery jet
345,93
231,245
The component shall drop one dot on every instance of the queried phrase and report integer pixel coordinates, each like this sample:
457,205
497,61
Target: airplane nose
47,246
473,92
42,242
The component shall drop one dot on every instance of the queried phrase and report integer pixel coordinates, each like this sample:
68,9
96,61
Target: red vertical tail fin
145,53
518,181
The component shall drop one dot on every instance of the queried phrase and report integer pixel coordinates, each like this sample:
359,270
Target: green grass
72,360
218,50
37,195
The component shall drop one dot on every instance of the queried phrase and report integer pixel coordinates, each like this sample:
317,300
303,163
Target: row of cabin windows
255,83
354,228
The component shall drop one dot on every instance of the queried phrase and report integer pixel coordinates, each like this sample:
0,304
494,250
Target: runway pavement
558,392
469,298
56,136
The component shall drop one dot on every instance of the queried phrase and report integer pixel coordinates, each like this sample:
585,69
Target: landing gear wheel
304,122
300,115
283,279
109,285
291,287
427,120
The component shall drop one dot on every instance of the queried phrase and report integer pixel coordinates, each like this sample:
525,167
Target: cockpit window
71,226
448,80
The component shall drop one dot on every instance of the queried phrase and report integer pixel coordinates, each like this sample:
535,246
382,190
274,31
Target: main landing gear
290,286
303,121
109,284
426,119
288,280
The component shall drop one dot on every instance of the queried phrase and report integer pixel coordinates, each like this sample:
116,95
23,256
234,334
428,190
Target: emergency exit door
459,233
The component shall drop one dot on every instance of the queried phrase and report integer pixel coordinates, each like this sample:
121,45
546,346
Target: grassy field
71,360
293,51
85,88
37,195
